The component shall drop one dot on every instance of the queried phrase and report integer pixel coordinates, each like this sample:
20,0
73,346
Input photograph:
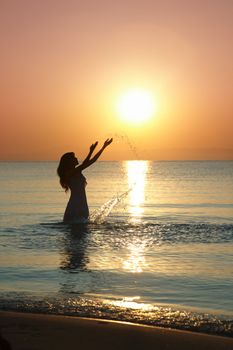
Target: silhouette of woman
71,178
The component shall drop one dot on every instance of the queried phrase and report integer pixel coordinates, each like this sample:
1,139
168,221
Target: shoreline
40,331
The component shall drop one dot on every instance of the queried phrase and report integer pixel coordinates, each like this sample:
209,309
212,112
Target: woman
71,178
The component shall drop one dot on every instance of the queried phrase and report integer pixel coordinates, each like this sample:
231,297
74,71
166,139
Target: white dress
77,208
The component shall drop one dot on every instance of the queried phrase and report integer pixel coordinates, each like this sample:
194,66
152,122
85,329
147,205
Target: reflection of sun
131,303
136,106
136,171
136,259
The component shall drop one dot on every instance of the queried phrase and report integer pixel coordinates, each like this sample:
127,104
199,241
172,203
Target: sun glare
136,106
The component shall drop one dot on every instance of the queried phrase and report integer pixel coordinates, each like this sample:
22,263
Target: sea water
158,249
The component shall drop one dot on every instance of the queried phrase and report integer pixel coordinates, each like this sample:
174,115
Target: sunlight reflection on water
136,172
131,303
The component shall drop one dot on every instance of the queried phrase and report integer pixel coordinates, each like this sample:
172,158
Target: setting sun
136,106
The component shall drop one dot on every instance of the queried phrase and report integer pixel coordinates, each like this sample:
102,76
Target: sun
136,106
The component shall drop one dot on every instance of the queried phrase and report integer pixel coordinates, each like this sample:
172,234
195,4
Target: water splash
125,139
99,215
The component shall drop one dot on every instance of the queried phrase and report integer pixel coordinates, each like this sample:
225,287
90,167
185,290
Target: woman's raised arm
88,160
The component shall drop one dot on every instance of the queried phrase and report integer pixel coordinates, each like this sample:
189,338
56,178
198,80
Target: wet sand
32,332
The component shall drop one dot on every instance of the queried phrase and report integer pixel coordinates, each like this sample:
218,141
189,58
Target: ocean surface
158,249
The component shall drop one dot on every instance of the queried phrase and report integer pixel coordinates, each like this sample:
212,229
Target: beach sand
31,332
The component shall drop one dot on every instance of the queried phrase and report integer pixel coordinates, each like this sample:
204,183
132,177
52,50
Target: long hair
63,167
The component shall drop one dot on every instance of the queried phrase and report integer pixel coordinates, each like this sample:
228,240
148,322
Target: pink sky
64,63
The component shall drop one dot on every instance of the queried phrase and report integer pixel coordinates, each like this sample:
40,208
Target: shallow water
162,256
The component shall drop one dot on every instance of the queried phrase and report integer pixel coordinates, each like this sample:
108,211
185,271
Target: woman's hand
107,142
88,160
93,146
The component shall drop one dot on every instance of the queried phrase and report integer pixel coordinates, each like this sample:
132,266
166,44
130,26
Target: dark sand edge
26,331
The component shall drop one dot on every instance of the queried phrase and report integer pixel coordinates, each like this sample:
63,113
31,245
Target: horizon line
119,160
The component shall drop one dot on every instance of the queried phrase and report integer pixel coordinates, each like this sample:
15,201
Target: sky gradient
64,65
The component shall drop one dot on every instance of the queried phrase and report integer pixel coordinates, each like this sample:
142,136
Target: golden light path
136,171
136,106
135,261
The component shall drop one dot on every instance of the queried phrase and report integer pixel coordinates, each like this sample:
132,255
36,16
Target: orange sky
64,64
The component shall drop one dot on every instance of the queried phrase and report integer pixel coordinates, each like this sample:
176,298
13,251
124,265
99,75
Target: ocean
158,249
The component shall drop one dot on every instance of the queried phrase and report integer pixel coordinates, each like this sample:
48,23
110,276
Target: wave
126,309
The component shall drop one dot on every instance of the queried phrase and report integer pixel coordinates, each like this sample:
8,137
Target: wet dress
77,208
